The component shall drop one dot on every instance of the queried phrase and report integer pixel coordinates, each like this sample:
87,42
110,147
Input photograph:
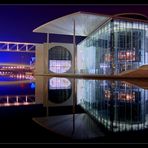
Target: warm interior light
59,66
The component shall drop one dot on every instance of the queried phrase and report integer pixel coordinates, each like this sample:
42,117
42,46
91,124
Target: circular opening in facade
59,90
60,59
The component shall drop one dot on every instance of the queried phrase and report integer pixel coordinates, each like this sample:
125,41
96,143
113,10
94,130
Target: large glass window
130,41
94,52
59,59
117,46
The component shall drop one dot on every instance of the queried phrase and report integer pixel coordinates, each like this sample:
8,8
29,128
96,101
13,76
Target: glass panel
117,105
117,46
130,40
93,54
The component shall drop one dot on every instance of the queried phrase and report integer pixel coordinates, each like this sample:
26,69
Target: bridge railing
17,100
17,46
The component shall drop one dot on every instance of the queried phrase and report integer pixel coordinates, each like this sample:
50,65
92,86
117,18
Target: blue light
32,61
32,86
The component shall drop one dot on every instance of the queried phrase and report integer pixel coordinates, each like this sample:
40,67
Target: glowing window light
127,55
59,66
59,83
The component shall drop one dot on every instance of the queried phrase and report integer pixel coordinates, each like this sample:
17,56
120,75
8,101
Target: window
59,66
59,59
59,83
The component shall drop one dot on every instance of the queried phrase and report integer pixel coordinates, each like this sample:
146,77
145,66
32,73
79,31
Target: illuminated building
118,45
113,44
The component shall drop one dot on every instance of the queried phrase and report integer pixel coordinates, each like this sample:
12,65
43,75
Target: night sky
18,21
16,57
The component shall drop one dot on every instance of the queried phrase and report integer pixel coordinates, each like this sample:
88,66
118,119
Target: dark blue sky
16,57
18,21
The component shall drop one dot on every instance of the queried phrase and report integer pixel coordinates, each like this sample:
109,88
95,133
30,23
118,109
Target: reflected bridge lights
17,100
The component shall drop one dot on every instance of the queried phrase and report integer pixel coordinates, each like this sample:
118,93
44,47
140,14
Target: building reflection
117,105
54,92
59,90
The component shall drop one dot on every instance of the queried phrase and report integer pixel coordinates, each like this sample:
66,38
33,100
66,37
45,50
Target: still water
114,105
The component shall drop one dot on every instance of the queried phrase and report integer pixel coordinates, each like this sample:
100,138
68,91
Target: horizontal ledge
92,76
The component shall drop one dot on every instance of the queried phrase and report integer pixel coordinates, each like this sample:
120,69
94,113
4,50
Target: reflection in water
118,105
63,125
17,100
59,90
13,93
59,83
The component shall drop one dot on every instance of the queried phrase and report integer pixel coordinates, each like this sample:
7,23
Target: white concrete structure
75,24
42,93
42,57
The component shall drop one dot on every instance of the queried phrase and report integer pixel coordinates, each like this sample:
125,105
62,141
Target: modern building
113,44
118,45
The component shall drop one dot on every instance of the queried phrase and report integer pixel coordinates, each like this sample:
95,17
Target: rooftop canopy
85,23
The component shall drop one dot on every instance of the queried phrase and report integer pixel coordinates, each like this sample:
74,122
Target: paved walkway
75,126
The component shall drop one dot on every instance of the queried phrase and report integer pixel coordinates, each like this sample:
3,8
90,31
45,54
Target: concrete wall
39,63
40,89
41,66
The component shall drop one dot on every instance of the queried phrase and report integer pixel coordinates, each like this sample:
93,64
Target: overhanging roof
85,23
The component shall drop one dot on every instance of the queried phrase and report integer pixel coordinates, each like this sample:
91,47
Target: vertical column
7,99
17,47
131,47
74,47
26,47
26,99
125,46
17,99
112,48
74,71
47,37
112,105
8,46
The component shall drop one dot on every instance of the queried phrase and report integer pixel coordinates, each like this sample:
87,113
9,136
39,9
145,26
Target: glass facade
60,59
117,105
117,46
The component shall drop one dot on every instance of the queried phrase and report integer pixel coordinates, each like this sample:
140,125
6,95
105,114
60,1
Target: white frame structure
17,47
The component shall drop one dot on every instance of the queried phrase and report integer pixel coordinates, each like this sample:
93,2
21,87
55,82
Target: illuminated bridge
18,59
17,100
9,68
17,47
